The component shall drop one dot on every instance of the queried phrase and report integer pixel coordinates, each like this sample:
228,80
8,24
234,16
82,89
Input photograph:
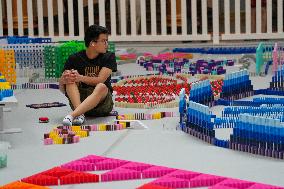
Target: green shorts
102,109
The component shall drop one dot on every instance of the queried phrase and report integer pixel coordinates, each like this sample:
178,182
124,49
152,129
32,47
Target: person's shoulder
77,54
108,55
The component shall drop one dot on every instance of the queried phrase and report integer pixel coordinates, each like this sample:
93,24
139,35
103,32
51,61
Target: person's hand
68,77
77,76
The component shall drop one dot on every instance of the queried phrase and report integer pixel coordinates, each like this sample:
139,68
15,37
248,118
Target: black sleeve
109,61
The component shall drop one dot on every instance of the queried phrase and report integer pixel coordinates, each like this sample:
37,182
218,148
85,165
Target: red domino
79,178
57,172
152,186
42,180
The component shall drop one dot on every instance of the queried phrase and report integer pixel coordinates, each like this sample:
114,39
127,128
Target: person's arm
102,77
67,77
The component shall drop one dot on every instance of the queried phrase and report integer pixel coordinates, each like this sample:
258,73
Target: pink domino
205,180
118,126
188,175
92,159
156,171
171,182
79,166
76,139
148,116
94,127
47,141
120,174
236,183
109,164
264,186
220,187
136,166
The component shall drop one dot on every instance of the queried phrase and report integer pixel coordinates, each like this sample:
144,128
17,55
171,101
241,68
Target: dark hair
93,32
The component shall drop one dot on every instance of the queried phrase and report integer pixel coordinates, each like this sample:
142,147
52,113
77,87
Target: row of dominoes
8,65
218,50
235,111
278,79
147,105
236,85
75,172
72,134
199,114
201,92
143,116
247,102
256,150
262,135
24,40
35,86
64,136
5,88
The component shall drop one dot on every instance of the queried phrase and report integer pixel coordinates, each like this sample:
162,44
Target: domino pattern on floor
75,172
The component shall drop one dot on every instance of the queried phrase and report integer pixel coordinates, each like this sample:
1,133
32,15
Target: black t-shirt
91,67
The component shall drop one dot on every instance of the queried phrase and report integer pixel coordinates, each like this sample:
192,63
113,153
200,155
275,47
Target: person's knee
101,88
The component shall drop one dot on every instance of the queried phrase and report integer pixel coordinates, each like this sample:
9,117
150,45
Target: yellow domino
123,124
102,127
75,128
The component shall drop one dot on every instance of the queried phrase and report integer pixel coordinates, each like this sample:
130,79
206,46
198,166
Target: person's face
101,44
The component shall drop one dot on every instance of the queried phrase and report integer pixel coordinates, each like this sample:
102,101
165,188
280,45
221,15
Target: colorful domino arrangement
77,172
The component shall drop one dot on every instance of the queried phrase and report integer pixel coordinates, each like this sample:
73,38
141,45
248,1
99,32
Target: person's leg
73,94
103,108
92,100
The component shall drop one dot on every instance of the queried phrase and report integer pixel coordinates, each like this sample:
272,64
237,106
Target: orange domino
22,185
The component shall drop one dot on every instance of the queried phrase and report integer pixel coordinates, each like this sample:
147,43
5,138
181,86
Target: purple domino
205,180
156,171
79,166
120,174
171,182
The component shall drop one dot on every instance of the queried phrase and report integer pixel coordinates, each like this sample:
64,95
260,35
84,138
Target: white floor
156,145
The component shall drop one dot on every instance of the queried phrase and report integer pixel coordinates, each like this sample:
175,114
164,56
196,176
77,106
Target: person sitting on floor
86,78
